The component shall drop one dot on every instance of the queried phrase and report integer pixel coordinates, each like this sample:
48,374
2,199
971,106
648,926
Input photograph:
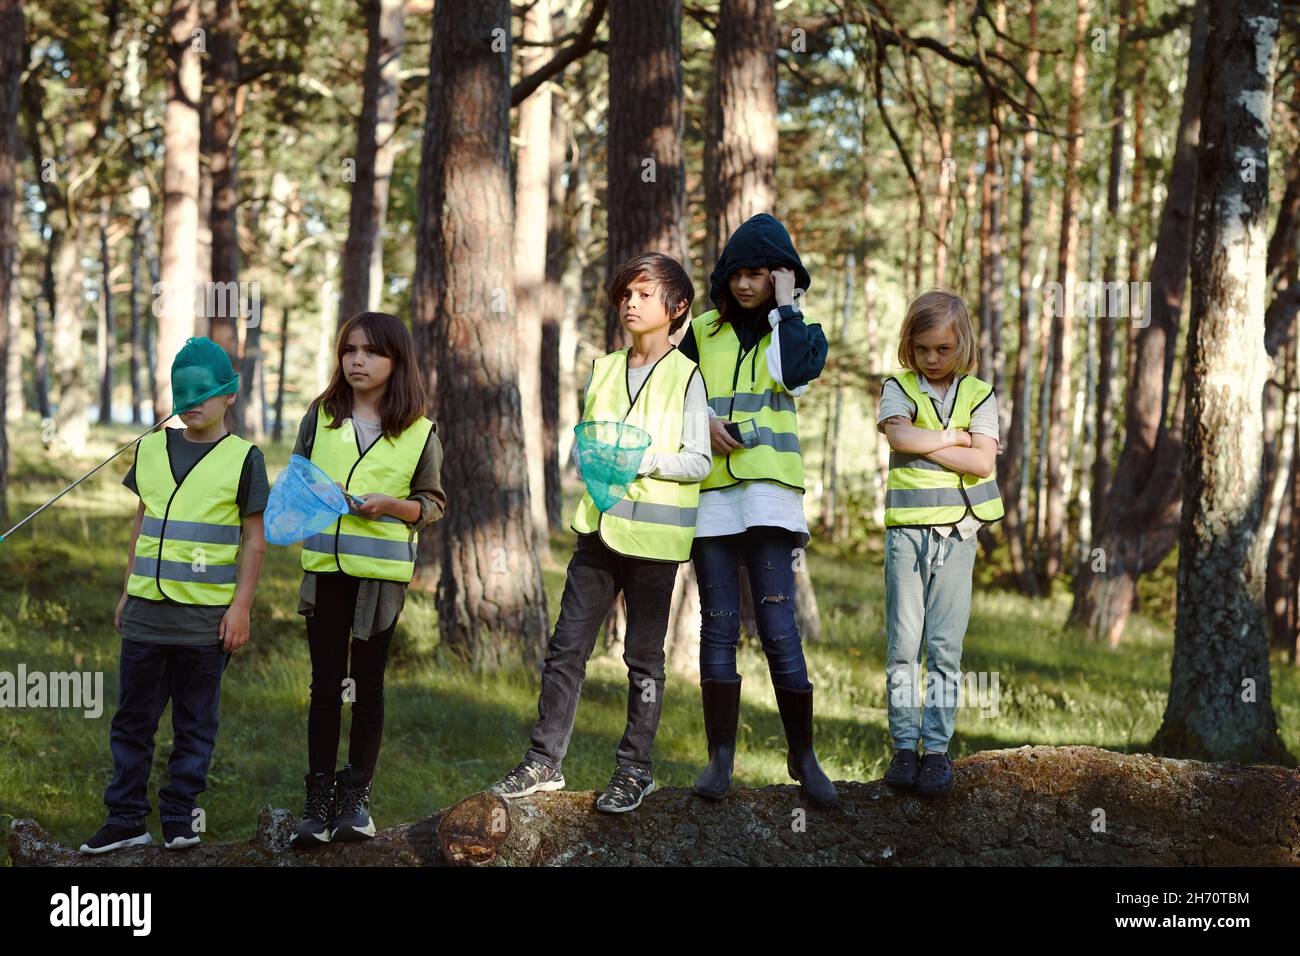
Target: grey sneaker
935,777
625,792
903,770
531,776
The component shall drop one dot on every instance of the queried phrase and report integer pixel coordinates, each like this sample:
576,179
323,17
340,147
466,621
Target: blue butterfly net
303,501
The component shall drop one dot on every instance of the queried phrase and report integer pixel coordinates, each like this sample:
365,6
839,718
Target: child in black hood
762,242
757,357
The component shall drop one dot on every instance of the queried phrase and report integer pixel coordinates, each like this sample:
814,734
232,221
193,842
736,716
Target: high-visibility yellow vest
381,548
188,547
655,520
740,389
924,492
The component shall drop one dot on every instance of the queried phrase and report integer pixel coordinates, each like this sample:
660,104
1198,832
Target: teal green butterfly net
609,454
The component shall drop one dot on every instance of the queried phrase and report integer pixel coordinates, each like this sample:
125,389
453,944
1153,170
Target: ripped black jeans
769,558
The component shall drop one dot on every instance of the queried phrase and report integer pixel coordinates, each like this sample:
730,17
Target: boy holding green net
633,528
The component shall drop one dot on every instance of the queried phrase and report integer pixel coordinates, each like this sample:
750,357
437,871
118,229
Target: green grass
450,731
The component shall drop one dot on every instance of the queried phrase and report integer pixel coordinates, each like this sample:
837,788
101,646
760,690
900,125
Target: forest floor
450,731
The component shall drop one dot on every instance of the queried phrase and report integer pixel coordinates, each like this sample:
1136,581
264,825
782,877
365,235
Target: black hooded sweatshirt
763,242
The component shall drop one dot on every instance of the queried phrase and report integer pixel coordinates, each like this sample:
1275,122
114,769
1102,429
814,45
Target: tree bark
180,196
1104,424
947,165
646,196
1220,694
12,63
490,600
532,194
278,427
224,317
834,512
556,413
363,251
741,146
1141,524
1063,328
1011,463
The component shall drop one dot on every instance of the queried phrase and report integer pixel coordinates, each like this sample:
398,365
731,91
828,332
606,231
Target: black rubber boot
721,715
796,708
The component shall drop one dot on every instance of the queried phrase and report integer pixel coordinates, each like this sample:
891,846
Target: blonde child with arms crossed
941,422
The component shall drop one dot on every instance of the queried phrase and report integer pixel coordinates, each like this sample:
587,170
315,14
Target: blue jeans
148,675
768,556
927,605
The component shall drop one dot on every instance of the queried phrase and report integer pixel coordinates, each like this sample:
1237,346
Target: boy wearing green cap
195,557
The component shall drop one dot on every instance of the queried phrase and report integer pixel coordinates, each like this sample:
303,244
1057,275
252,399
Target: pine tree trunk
947,165
1141,524
646,196
741,147
105,332
180,197
1011,464
363,250
490,601
1220,694
1104,424
833,508
137,323
555,410
1063,328
12,63
41,352
222,216
278,428
532,193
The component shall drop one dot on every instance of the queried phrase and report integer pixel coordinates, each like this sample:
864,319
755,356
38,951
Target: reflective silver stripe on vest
903,460
652,513
191,530
781,441
361,546
752,402
978,494
924,498
184,571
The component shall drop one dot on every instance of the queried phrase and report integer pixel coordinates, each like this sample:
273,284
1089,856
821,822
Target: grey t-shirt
983,421
165,622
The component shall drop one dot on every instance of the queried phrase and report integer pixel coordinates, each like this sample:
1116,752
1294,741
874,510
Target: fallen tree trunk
1028,806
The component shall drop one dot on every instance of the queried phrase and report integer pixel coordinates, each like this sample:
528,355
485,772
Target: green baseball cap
201,370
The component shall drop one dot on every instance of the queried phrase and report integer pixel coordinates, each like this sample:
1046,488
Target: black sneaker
531,776
936,775
110,837
352,820
178,835
626,790
317,812
903,769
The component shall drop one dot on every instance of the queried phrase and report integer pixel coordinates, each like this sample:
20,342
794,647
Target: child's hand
234,628
374,506
723,443
783,285
117,615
